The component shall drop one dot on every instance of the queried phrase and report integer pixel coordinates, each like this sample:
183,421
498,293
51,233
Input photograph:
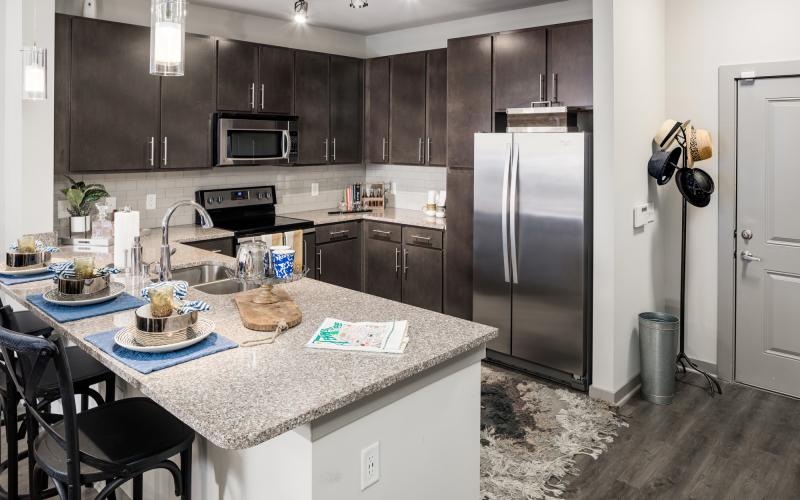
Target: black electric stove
247,211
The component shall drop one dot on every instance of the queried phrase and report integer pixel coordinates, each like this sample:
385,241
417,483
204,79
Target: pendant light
300,11
167,36
34,69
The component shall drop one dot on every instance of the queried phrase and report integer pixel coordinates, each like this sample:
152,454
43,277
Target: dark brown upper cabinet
377,130
436,108
275,92
237,75
520,68
469,96
570,64
113,100
187,103
312,106
347,97
407,111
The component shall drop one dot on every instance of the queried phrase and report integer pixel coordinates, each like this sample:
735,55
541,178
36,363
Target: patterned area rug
530,433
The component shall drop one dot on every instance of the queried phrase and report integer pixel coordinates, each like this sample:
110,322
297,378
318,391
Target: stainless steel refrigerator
532,251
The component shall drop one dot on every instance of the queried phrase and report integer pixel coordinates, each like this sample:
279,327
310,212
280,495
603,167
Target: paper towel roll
126,226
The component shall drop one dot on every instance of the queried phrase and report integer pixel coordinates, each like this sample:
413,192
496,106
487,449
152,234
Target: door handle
319,262
396,260
253,96
262,97
334,149
383,150
541,87
504,211
555,87
325,142
405,263
382,232
748,256
429,150
166,144
152,151
334,234
513,209
419,151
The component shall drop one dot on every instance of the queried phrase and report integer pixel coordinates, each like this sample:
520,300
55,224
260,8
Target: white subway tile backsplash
413,183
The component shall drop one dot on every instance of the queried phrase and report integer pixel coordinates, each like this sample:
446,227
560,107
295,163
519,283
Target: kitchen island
284,421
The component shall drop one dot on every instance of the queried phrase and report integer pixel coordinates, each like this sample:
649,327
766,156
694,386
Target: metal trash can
658,348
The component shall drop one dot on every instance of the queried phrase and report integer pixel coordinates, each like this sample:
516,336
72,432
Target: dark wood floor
744,444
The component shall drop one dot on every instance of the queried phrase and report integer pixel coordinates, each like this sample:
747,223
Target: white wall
434,36
629,104
703,36
226,23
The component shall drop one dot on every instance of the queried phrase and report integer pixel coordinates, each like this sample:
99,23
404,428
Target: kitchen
270,122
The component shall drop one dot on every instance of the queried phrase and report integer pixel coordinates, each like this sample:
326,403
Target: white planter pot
80,226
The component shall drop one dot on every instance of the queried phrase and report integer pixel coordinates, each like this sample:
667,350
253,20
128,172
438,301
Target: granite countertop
393,215
245,396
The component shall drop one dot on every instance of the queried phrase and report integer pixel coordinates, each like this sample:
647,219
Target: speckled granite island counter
392,215
287,422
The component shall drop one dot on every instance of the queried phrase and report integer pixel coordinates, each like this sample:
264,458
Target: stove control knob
209,201
260,196
219,199
266,194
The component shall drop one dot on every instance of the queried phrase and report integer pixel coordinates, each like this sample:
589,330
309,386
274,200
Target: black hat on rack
695,185
663,164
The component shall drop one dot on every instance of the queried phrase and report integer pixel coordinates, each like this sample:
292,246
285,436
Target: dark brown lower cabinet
422,277
339,263
382,268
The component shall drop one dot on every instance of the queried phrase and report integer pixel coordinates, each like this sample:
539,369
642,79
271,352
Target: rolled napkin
40,247
181,289
193,306
67,269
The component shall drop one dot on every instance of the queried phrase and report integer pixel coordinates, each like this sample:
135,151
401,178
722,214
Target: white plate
24,271
113,291
202,329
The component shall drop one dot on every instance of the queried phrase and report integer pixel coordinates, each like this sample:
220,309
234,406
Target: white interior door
768,235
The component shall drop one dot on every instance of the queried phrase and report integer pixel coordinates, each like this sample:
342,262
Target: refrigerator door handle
504,210
513,210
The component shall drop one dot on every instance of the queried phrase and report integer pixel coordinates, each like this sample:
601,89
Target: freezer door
549,275
491,265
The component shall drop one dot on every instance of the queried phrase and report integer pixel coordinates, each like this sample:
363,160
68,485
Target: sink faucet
165,268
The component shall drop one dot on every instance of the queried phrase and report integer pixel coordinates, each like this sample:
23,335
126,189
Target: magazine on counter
388,337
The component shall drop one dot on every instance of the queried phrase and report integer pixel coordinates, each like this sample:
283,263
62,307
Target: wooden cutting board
267,317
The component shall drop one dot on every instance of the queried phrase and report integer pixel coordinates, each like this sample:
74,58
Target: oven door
255,142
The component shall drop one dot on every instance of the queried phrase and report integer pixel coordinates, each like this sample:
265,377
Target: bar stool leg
10,410
138,488
186,474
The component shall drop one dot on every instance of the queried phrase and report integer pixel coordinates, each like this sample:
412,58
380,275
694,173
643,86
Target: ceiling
379,17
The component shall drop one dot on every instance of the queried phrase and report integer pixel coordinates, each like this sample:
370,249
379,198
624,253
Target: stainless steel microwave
252,139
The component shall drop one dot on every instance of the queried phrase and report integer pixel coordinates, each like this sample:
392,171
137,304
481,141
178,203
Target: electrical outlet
62,209
151,202
111,201
370,465
315,189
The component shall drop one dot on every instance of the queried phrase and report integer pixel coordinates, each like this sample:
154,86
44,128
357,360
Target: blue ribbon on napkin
181,289
40,247
147,362
194,306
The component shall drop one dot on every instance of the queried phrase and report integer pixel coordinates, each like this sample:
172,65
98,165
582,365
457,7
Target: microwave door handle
286,143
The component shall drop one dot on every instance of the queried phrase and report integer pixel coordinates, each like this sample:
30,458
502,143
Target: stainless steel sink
204,273
225,287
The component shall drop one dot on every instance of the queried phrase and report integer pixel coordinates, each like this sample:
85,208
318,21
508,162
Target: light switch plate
315,189
151,202
640,215
651,213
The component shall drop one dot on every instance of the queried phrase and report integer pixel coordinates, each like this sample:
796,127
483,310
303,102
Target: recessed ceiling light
359,4
300,11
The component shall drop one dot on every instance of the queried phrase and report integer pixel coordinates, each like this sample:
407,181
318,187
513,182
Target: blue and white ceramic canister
283,263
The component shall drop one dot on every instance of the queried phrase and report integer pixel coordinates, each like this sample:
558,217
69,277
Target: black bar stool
116,442
86,372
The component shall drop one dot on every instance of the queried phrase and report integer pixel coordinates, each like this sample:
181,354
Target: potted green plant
81,198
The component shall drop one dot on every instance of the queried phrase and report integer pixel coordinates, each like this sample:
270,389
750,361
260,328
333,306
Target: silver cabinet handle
319,262
381,231
334,149
749,257
504,212
253,96
419,151
513,209
262,97
424,238
305,254
152,151
325,142
405,263
383,153
218,250
166,145
555,87
334,234
541,87
429,151
396,260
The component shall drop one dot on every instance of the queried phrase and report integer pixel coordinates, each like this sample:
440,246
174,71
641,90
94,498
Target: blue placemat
147,362
64,314
16,280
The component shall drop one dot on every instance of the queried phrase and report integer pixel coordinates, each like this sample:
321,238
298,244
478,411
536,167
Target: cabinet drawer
421,237
384,231
337,232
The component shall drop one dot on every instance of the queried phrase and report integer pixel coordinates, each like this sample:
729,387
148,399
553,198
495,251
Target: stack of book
387,337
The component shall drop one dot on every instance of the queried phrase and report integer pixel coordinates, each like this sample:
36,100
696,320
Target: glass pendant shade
34,73
167,37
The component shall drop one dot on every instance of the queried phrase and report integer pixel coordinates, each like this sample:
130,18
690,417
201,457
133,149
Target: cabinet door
422,277
339,263
469,96
382,268
309,254
113,99
520,68
187,103
377,133
458,244
436,108
570,61
275,92
312,106
237,74
347,113
407,116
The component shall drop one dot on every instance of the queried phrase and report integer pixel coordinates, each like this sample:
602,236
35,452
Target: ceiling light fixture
167,36
301,11
359,4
